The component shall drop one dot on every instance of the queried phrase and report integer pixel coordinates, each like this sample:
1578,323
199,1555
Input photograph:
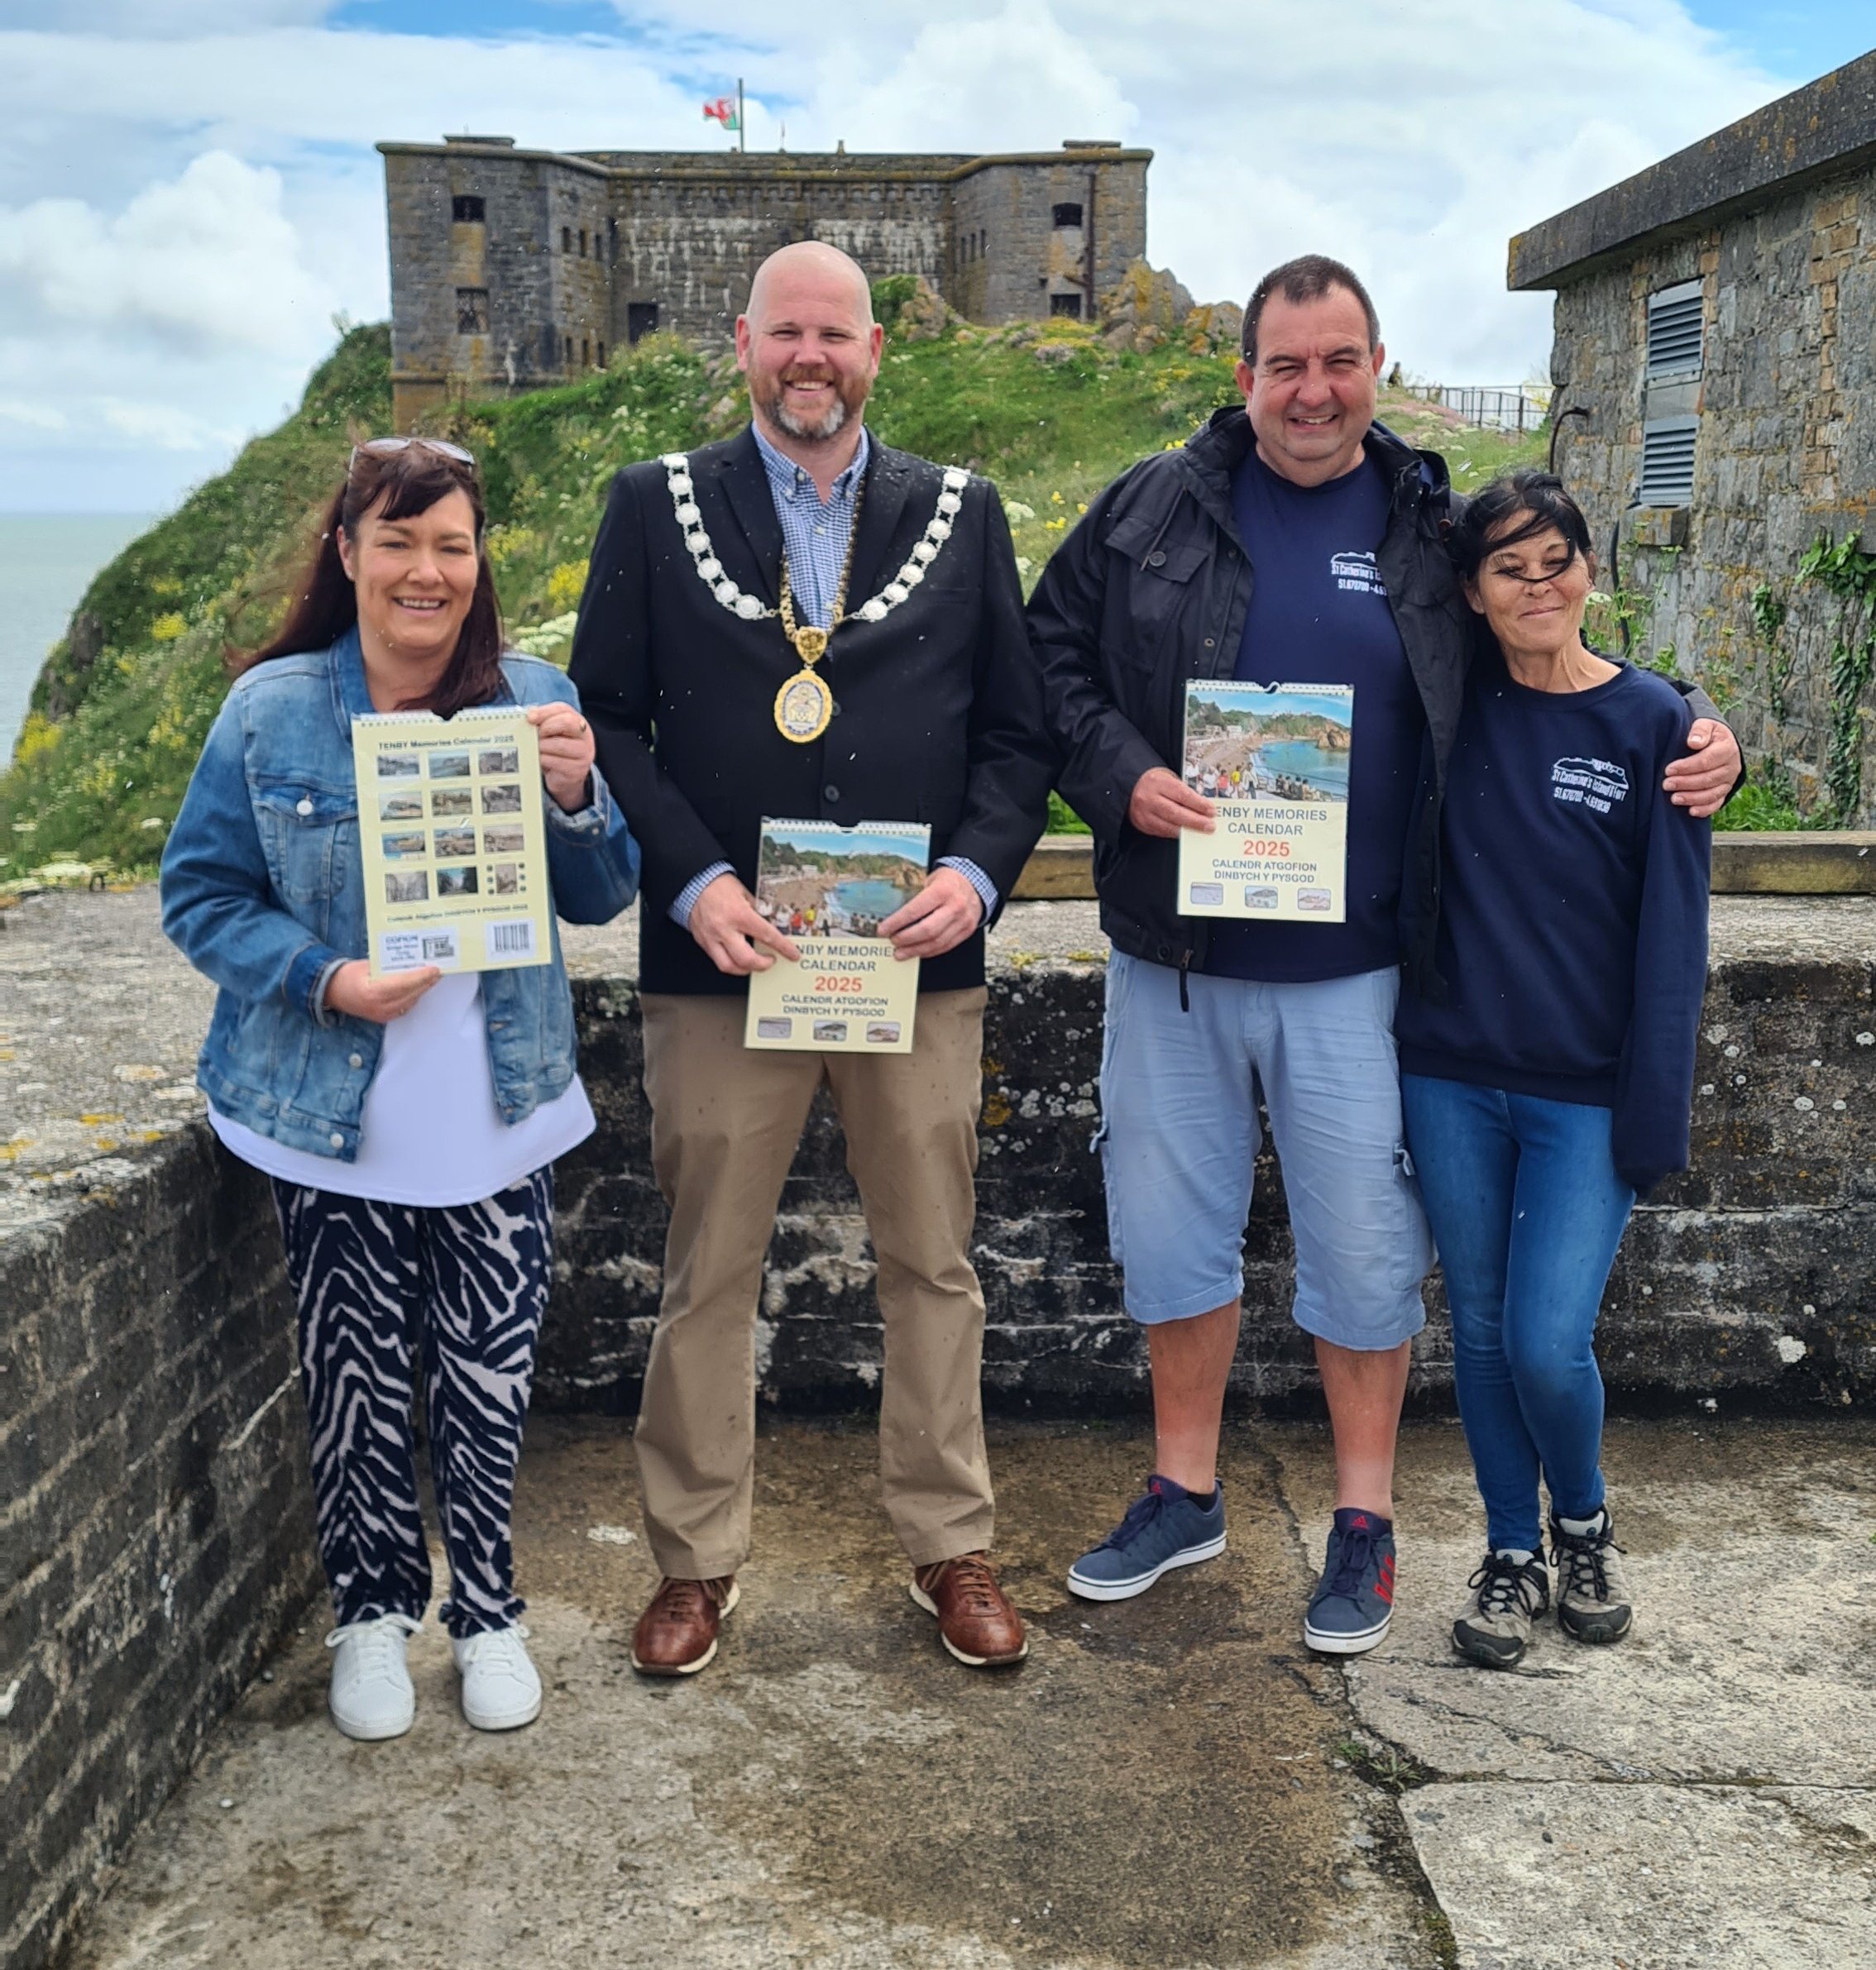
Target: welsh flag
723,110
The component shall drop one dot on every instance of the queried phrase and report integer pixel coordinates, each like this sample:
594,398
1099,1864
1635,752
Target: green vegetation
125,700
1843,569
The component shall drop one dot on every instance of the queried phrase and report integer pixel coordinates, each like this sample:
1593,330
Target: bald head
810,348
809,271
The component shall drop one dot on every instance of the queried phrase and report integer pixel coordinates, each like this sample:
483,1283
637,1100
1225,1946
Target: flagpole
742,127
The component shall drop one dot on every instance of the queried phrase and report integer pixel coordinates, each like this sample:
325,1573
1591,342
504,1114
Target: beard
770,395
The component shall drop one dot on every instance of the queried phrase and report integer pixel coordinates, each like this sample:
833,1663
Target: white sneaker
501,1690
371,1695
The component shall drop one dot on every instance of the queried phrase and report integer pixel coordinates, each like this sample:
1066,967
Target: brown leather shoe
677,1633
975,1621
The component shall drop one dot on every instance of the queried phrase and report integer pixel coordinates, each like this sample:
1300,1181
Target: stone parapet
1747,1278
155,1540
1825,129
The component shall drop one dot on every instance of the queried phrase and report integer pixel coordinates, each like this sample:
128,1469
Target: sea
46,561
1326,772
864,897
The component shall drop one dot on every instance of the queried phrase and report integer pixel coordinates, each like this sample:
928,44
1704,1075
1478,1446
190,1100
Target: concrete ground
1170,1782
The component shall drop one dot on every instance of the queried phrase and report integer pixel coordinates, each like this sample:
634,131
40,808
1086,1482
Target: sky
186,205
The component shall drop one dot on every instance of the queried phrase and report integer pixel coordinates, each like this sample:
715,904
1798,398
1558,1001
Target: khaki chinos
725,1121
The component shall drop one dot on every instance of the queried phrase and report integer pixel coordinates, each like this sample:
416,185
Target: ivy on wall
1844,570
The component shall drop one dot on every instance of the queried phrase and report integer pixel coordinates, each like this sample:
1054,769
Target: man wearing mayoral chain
802,622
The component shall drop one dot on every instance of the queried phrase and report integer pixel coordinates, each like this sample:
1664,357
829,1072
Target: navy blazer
938,709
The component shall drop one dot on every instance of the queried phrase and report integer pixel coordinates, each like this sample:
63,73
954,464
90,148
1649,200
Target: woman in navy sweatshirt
1551,1087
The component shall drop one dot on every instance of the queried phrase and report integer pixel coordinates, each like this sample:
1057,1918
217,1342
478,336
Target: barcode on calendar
515,938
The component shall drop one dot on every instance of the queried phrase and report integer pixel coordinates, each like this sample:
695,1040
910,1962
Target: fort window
1067,215
471,311
586,352
566,351
601,346
566,239
641,319
1065,304
1676,331
582,242
466,209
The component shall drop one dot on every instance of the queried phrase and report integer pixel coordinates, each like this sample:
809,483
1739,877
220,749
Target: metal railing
1513,407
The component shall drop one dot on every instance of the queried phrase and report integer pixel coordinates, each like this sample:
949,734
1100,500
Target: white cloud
164,426
34,417
208,258
217,193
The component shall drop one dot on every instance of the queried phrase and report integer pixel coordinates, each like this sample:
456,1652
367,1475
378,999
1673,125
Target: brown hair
395,486
1300,280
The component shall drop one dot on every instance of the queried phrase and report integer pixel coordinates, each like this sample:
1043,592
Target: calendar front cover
828,889
454,839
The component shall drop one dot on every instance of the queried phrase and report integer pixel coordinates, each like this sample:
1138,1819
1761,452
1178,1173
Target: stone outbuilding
1716,324
514,268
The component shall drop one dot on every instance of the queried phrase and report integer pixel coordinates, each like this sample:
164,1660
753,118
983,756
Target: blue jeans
1527,1211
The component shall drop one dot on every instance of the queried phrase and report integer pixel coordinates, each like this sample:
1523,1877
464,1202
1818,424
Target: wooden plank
1805,863
1062,865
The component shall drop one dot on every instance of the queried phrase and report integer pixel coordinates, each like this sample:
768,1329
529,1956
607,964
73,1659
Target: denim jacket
264,892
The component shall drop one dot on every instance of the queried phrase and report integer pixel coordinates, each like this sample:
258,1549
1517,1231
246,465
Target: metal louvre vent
1667,462
1676,331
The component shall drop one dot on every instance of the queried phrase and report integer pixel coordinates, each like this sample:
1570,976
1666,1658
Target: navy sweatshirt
1319,614
1572,934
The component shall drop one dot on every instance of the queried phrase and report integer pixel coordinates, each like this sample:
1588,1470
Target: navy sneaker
1167,1527
1354,1603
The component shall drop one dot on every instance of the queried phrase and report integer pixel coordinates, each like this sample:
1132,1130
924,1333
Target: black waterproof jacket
1150,589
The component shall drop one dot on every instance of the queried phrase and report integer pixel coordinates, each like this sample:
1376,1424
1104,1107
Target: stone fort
514,268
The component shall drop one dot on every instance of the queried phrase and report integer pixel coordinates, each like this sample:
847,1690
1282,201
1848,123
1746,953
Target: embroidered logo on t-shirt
1597,783
1357,571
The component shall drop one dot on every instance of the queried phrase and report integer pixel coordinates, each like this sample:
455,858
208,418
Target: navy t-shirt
1572,931
1318,614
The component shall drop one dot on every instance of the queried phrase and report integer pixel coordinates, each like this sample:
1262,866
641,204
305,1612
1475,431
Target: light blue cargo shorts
1180,1136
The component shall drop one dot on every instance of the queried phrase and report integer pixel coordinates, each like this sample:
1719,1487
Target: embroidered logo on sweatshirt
1597,783
1357,571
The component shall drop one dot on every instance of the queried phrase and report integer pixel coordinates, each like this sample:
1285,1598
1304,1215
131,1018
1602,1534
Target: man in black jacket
923,706
1292,541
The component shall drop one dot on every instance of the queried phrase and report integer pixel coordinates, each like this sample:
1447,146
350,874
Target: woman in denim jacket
408,1122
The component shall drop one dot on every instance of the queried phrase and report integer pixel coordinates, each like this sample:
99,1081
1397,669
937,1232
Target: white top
431,1133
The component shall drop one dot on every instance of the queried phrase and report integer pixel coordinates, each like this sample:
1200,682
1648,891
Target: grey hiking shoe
1592,1587
1508,1596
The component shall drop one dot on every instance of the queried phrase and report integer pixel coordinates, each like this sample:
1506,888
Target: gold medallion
803,706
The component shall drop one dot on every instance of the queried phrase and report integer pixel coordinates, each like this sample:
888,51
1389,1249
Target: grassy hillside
125,700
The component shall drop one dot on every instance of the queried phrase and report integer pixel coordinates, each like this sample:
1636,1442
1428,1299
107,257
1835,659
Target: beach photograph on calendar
1244,742
834,882
1273,761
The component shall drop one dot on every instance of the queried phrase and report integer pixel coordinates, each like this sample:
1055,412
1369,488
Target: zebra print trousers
379,1286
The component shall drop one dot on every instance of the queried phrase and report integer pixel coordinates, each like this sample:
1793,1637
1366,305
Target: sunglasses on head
389,447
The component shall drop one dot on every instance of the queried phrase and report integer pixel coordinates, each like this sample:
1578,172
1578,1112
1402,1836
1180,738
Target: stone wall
691,241
156,1535
1748,1277
538,295
1786,449
1026,258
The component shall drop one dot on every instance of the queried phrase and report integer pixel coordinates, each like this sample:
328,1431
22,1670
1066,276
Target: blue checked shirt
815,533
